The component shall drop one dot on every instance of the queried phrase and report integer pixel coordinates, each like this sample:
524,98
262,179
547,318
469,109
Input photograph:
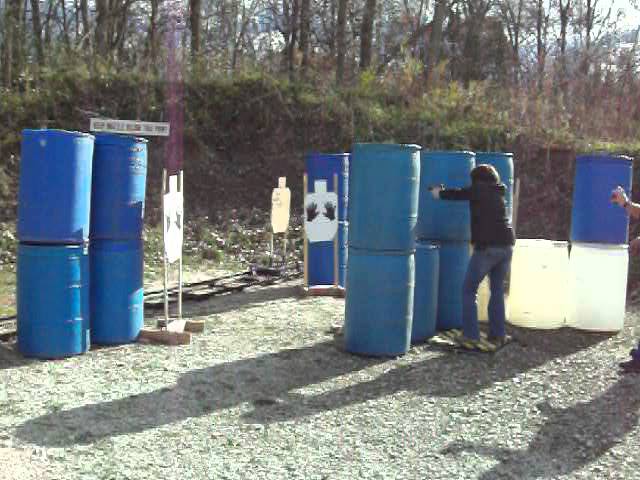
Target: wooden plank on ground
164,337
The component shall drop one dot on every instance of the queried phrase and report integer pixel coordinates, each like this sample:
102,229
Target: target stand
172,331
280,214
334,290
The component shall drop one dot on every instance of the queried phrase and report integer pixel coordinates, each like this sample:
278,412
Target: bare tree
435,39
512,15
304,34
366,33
195,22
341,40
37,31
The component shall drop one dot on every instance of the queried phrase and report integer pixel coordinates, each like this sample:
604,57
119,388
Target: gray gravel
268,392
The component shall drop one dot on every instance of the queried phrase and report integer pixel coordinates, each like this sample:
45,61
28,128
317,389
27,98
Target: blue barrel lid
603,157
381,253
57,132
118,139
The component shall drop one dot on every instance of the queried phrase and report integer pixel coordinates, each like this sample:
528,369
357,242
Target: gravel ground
267,392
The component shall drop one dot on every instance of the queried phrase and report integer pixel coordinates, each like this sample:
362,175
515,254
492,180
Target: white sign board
173,206
280,207
130,127
321,213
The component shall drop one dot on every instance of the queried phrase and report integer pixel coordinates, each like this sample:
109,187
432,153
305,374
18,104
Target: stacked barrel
54,201
116,247
322,254
598,258
445,224
383,208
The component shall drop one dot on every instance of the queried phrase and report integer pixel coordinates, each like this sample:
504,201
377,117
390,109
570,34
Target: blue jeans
495,262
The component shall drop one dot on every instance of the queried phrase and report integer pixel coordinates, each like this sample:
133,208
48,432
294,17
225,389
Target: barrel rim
427,245
601,246
51,249
332,155
390,146
118,138
448,152
57,131
502,154
593,157
381,253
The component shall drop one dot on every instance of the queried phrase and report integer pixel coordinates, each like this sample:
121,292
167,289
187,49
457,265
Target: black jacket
490,225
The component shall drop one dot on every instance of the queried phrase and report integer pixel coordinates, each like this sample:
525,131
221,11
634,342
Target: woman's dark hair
485,173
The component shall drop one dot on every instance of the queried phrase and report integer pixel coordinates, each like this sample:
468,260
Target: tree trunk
37,31
435,39
564,22
304,35
195,9
84,13
542,20
366,33
47,26
341,41
65,26
102,10
152,36
292,39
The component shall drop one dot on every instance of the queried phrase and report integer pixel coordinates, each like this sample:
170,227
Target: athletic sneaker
631,366
500,341
479,345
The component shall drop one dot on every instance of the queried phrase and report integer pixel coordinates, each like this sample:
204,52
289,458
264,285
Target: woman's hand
619,196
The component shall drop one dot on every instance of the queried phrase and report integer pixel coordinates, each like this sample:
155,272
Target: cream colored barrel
597,286
539,284
484,294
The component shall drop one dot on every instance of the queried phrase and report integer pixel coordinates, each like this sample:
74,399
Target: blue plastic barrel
383,196
454,260
425,301
323,166
594,219
379,302
321,261
503,163
119,180
54,193
53,300
117,304
445,220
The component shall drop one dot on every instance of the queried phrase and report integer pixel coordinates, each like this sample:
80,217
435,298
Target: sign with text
130,127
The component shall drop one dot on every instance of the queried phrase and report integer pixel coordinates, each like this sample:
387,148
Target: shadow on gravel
449,375
570,438
263,380
240,301
10,357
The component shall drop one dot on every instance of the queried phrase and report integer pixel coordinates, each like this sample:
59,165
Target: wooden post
181,190
304,232
516,198
164,257
336,272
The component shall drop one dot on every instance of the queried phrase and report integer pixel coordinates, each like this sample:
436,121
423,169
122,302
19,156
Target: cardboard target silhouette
321,213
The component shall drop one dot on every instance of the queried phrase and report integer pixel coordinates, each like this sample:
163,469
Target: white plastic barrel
539,284
484,294
598,286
